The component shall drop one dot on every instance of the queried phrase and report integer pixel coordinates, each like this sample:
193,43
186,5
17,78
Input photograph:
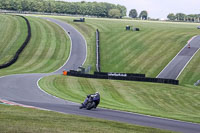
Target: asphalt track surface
180,61
23,89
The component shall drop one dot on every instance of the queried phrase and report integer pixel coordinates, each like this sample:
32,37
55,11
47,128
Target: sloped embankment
15,57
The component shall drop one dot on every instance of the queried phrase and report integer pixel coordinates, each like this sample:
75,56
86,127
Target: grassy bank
13,32
169,101
18,120
47,50
147,51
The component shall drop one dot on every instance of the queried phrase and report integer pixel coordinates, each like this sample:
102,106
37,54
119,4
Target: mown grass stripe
124,52
150,56
113,28
48,50
15,36
34,54
14,32
154,99
60,50
143,55
38,45
5,27
19,119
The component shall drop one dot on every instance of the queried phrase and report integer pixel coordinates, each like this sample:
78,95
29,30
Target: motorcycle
90,104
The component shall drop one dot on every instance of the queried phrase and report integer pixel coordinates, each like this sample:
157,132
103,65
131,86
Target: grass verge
168,101
147,51
20,120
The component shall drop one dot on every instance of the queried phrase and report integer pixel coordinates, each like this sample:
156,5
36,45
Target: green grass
88,32
24,120
147,51
13,32
191,73
168,101
47,50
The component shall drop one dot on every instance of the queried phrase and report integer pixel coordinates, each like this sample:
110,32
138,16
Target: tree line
134,14
183,17
102,9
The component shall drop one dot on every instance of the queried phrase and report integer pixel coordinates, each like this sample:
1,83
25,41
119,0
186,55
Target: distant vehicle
198,27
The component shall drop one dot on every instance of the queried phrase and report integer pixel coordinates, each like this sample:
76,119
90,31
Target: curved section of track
23,89
78,52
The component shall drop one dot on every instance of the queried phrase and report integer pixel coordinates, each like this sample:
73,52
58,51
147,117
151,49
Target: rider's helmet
96,92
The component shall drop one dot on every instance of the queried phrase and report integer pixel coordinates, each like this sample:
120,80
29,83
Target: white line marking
71,42
53,95
162,118
70,48
176,56
85,43
186,64
101,108
14,103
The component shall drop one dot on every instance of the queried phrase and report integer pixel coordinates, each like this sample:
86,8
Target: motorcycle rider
96,99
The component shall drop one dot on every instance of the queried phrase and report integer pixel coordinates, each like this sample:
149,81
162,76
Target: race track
23,89
180,61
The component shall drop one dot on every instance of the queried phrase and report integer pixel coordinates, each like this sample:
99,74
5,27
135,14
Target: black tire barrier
128,78
136,29
120,74
98,67
79,20
19,51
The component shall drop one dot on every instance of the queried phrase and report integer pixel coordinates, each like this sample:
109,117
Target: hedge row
122,76
14,59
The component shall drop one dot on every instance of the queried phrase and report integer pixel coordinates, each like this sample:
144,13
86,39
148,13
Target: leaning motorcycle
90,104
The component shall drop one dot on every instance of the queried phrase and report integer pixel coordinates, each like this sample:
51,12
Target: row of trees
102,9
143,15
183,17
